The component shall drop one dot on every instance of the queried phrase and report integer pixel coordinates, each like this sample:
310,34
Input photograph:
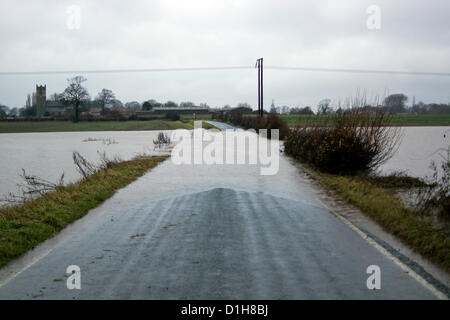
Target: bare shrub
434,199
163,140
271,121
84,167
106,141
31,188
353,140
107,163
109,141
34,186
87,168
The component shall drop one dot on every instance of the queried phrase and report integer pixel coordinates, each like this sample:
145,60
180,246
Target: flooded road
48,155
210,232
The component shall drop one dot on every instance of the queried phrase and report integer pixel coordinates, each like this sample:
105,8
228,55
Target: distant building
54,108
95,111
120,109
44,106
182,110
41,97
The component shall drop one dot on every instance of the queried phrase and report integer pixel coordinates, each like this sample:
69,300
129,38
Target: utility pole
259,65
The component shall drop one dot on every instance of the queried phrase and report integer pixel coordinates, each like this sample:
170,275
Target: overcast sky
117,34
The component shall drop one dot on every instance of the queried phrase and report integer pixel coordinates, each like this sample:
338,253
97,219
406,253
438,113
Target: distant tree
441,108
273,109
55,97
104,98
133,105
285,110
116,103
295,110
307,110
242,110
27,111
13,112
243,105
28,103
150,104
324,107
170,104
146,106
298,110
419,108
395,103
75,94
187,104
4,110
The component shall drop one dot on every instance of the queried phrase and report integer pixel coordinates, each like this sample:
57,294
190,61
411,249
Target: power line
224,68
415,73
19,73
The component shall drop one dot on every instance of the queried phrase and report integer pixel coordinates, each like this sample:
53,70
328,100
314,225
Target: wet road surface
209,232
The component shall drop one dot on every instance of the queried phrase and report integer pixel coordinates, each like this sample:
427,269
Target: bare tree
32,187
28,102
324,107
55,97
75,94
105,97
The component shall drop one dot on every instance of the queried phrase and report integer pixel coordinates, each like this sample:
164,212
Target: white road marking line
386,253
35,260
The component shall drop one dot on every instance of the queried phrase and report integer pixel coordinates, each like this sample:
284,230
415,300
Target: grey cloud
132,34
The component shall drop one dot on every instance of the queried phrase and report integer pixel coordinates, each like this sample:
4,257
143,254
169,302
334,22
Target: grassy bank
375,198
68,126
24,226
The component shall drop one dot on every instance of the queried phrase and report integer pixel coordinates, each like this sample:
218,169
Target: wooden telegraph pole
259,65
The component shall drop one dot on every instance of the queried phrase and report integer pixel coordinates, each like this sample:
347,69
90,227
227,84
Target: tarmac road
209,232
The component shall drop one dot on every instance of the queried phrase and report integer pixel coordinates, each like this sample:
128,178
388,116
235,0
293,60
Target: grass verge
397,120
379,203
24,226
68,126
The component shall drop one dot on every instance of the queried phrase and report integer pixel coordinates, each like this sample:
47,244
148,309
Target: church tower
41,98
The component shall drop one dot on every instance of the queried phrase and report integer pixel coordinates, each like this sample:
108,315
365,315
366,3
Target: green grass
68,126
24,226
393,181
387,210
398,120
200,116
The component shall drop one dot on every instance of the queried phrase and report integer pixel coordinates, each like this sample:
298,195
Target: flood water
48,155
419,147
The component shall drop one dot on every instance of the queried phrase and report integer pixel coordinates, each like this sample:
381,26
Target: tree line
77,98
